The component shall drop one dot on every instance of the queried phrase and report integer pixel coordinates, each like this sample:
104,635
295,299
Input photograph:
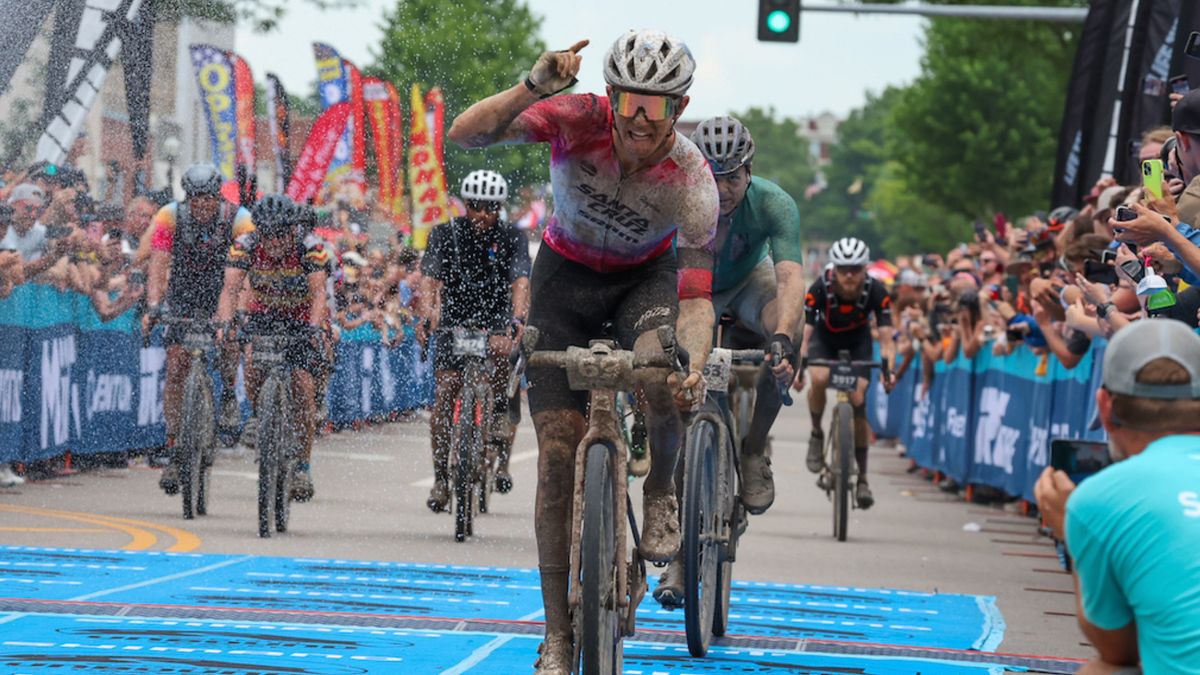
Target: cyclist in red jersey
287,285
631,242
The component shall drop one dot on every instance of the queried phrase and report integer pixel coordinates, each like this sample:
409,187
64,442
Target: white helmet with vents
649,61
725,142
849,251
484,186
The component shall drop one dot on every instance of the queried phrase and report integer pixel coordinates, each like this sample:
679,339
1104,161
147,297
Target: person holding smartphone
1133,529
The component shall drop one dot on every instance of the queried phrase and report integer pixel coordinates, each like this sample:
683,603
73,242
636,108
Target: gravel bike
279,441
607,578
195,442
840,468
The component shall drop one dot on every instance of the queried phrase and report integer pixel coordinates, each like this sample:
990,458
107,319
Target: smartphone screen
1079,459
1179,84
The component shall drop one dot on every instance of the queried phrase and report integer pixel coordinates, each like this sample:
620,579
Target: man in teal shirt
758,279
1133,529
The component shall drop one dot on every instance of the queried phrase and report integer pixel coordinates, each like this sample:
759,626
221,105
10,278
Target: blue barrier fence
69,381
989,420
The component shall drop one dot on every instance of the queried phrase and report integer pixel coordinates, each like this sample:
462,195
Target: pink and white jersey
602,219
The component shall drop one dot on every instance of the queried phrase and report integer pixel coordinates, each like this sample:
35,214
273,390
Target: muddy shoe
554,656
758,484
816,452
669,592
169,482
660,518
250,433
302,485
863,493
439,496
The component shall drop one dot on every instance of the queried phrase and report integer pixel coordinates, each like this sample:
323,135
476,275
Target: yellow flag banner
430,204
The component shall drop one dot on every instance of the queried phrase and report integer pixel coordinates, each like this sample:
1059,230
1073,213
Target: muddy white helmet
725,142
484,186
849,251
649,61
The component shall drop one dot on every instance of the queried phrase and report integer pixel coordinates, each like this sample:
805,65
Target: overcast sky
838,59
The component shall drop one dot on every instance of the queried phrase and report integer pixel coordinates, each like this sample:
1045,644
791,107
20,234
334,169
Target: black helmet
201,179
274,215
306,217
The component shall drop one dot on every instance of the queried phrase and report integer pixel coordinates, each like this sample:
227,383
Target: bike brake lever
776,356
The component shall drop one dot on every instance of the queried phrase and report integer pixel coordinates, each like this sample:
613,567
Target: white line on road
159,580
486,650
519,457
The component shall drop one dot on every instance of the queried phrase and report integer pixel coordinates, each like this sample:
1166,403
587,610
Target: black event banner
1145,103
1093,89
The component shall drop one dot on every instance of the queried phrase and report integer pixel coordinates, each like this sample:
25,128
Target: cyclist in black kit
838,309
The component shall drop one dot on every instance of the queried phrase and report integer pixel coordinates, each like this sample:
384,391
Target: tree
471,49
977,131
781,153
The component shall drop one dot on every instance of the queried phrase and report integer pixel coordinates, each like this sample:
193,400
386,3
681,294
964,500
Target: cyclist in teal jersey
759,280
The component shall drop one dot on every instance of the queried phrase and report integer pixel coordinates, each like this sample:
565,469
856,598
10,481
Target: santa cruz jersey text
602,219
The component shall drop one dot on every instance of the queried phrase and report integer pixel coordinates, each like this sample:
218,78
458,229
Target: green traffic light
778,21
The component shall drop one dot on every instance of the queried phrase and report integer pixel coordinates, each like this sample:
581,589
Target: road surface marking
159,580
73,530
140,531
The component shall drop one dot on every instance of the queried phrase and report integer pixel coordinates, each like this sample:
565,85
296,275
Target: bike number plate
843,378
470,344
717,370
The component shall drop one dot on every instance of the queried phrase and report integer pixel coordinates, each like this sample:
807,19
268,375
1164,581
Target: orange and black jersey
279,285
828,313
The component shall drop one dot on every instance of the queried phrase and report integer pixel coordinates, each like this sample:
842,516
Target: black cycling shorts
571,303
300,353
826,345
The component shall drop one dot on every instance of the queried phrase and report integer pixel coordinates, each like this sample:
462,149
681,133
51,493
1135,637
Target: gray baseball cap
1144,341
26,192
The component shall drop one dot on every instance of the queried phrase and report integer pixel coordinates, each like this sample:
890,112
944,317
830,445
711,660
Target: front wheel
843,444
467,439
268,452
286,449
600,643
701,534
189,447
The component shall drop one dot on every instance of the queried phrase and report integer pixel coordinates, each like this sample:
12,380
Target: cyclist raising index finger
626,186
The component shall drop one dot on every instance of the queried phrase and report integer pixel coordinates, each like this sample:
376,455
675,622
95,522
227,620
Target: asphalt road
371,486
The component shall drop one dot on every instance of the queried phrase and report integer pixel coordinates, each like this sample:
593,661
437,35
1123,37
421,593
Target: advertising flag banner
279,121
358,154
425,181
243,87
214,74
435,107
318,152
375,95
333,84
97,44
399,207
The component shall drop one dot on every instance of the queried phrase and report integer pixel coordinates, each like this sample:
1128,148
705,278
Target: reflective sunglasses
487,207
656,107
850,269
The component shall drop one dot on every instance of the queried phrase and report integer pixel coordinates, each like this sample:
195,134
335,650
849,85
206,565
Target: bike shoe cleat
169,482
250,432
816,452
503,482
439,497
554,656
669,592
660,515
302,484
758,484
863,494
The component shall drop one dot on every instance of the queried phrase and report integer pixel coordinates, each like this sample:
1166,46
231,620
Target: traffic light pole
1055,14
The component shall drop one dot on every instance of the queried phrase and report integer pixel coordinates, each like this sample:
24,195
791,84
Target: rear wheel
701,550
843,443
600,643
